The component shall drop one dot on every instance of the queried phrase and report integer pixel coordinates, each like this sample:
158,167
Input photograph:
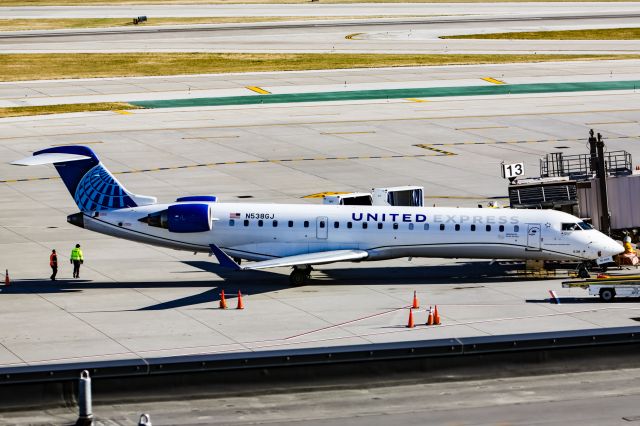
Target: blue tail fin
91,185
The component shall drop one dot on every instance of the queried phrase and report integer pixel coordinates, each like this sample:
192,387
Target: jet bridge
597,187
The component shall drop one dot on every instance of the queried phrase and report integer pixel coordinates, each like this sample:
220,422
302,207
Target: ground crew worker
53,262
628,247
76,260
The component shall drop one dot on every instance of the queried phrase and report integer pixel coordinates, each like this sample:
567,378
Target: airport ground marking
493,80
264,161
376,121
352,36
418,92
417,100
526,141
122,112
431,147
323,194
77,143
611,122
482,128
348,133
259,90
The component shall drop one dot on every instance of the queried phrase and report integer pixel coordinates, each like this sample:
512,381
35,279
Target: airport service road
51,92
136,300
593,398
399,9
402,36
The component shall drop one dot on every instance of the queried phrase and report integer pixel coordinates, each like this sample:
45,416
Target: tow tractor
609,287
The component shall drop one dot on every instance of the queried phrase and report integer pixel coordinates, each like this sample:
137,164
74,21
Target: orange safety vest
53,259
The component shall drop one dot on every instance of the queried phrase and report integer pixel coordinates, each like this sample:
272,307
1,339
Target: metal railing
583,166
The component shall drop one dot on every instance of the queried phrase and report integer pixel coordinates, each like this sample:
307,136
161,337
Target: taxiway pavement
128,89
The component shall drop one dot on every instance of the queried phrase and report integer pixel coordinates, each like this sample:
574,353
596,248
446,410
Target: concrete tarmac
139,301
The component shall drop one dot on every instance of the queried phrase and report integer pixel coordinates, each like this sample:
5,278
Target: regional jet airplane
300,236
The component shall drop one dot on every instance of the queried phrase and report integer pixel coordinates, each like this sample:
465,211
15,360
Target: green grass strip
431,92
40,66
588,34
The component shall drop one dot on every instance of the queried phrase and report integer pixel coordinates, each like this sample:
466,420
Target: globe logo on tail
99,190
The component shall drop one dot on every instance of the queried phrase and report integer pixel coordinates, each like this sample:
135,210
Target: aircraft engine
182,218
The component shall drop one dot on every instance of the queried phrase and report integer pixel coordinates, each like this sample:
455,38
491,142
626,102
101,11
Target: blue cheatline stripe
430,92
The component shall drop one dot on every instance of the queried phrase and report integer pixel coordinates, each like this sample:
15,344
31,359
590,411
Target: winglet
223,258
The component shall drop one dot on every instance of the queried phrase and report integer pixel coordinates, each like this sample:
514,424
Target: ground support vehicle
609,287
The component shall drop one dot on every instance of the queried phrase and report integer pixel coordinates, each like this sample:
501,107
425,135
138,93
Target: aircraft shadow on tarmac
582,300
257,282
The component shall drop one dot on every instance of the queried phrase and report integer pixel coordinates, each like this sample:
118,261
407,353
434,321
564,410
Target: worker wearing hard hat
76,259
628,247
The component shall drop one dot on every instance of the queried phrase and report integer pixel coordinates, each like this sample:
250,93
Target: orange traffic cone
7,281
436,316
223,301
240,304
430,317
410,324
415,305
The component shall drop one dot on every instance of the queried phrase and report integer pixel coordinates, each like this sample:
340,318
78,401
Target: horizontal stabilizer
318,258
51,158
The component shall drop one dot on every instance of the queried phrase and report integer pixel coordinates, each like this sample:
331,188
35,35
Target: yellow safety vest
76,254
628,248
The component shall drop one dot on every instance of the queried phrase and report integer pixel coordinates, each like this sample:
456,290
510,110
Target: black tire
583,272
298,277
607,294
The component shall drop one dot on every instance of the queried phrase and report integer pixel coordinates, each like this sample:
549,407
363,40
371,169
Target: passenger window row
380,225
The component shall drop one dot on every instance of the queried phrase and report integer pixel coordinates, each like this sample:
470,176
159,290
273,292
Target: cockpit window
571,227
586,226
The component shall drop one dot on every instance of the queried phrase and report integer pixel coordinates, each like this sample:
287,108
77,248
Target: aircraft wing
318,258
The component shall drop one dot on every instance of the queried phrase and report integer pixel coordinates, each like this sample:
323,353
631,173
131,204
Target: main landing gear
583,270
300,275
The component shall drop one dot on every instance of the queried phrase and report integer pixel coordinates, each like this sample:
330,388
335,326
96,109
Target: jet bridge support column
601,173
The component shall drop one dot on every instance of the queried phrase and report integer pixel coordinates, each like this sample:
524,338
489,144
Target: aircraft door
322,227
534,240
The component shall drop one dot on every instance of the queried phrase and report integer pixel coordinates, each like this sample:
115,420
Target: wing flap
318,258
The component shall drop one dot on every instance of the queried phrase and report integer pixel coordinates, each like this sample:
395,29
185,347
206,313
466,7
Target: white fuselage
267,231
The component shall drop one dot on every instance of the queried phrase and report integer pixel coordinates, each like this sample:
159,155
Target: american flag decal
234,215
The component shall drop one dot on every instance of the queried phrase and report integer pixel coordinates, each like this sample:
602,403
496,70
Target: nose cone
610,247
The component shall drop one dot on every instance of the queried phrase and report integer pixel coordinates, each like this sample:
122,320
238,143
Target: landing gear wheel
583,272
299,277
607,294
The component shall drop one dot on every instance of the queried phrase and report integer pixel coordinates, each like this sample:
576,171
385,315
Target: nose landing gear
300,275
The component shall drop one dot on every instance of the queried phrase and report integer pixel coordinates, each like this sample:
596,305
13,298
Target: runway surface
319,9
372,36
140,301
